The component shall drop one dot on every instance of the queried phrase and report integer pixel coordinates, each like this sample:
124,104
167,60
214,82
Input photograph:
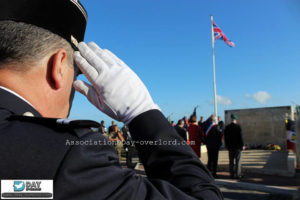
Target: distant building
262,126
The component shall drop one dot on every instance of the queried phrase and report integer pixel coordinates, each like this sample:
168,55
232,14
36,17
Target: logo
19,186
26,189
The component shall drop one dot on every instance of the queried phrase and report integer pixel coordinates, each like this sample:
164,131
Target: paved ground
261,167
255,161
236,193
254,185
265,176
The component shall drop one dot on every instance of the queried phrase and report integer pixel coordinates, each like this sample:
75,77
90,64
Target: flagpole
214,67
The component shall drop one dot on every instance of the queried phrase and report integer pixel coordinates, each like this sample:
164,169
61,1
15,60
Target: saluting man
37,70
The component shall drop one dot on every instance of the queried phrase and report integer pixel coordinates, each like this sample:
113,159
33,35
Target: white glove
116,90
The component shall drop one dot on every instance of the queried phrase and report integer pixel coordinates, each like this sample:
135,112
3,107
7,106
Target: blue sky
168,44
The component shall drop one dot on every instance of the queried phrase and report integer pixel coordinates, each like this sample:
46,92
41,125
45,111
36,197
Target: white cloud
224,100
248,96
261,97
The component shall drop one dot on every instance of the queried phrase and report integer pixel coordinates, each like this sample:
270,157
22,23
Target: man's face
214,119
116,129
194,119
181,124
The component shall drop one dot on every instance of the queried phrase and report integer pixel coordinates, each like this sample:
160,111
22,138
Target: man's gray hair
23,44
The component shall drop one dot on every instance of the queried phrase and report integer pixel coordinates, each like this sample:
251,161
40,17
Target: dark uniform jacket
39,148
221,126
213,137
233,137
181,132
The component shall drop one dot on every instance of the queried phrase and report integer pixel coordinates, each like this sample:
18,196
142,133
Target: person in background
173,123
234,143
221,124
195,135
128,146
290,125
298,144
186,122
102,128
111,128
117,137
181,130
207,123
201,122
213,140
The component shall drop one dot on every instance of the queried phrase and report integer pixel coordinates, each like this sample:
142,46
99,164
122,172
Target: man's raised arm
170,164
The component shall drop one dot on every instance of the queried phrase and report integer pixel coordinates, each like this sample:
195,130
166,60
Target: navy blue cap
66,18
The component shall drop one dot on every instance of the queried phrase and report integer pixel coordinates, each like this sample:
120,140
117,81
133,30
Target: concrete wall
262,125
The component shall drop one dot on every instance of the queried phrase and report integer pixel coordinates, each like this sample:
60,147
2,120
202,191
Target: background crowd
213,133
210,132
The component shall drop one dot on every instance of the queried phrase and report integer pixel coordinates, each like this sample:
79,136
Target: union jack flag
218,33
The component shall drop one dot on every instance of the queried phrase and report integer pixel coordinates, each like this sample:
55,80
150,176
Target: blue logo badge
19,186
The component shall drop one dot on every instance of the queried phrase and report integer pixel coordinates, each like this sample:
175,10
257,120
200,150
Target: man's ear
55,69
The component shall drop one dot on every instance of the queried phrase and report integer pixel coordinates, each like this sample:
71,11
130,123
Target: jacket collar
15,104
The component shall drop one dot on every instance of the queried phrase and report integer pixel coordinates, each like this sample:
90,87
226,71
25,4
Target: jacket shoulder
77,128
33,148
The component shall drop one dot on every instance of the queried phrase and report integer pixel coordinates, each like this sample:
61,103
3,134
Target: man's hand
116,90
